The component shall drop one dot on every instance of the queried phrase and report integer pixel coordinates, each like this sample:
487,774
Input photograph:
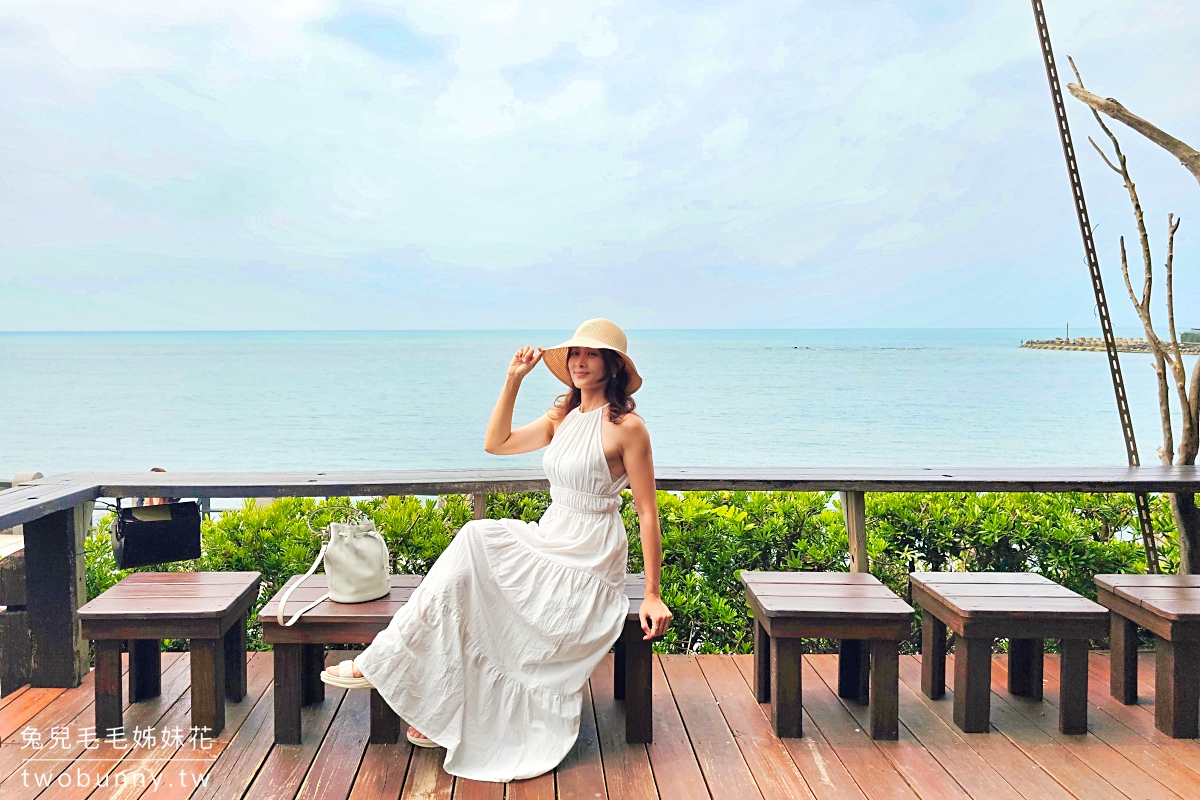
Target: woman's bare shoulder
632,425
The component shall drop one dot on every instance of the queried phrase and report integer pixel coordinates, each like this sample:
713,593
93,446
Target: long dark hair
616,389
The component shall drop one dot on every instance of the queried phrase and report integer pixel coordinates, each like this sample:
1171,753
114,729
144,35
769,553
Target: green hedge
709,536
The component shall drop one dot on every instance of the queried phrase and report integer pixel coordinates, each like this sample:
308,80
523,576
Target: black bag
145,535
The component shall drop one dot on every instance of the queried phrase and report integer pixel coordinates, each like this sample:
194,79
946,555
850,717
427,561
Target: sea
231,401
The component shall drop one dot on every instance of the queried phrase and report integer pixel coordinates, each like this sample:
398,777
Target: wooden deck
711,739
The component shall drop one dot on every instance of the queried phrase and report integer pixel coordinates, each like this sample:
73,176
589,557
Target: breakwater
1124,345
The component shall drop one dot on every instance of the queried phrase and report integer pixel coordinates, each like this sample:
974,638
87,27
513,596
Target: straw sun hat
599,333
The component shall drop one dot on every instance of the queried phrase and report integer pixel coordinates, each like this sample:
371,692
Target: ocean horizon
296,400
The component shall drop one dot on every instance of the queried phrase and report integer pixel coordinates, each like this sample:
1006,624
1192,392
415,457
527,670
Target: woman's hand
655,617
523,362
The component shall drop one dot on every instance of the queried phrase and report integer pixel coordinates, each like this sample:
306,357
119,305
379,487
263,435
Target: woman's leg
358,674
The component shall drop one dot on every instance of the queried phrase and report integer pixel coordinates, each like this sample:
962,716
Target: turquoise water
401,400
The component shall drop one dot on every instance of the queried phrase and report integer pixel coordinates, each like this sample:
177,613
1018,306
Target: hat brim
555,359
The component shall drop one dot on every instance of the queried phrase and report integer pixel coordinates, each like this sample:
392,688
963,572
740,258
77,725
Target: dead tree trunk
1170,371
1187,519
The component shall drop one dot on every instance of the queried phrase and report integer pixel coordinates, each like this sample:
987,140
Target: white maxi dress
490,655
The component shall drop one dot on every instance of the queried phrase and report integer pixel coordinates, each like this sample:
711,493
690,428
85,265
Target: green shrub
707,538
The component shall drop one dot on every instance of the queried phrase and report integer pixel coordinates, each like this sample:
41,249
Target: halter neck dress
490,655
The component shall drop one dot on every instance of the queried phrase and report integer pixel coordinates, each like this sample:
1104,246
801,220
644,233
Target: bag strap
308,518
292,588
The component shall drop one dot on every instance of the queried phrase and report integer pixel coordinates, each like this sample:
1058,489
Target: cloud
386,36
696,163
727,138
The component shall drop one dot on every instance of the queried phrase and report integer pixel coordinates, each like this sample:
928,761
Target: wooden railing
56,512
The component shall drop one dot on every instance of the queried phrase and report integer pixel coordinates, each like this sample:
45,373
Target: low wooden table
208,608
1169,607
300,655
1022,607
851,606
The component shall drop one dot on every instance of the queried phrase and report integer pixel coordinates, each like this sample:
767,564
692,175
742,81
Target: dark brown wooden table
208,608
1169,607
300,655
789,607
1022,607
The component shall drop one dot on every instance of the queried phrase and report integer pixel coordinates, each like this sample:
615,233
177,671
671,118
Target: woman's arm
501,439
639,466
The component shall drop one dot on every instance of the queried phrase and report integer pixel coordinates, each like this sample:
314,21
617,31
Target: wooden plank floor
711,739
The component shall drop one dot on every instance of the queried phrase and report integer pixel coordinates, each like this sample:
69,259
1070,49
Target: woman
489,657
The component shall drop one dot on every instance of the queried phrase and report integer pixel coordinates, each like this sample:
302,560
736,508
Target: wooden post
14,625
145,668
1123,665
885,689
762,663
972,684
786,680
1025,657
933,656
289,691
854,656
639,695
1073,686
108,705
312,661
56,586
479,503
235,659
385,724
854,670
1176,688
854,509
208,684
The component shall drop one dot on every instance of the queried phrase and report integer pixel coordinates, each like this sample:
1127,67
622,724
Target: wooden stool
208,608
1169,607
852,606
300,655
1022,607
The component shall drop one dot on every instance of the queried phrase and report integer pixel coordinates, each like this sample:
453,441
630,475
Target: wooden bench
851,606
1169,607
1022,607
300,655
208,608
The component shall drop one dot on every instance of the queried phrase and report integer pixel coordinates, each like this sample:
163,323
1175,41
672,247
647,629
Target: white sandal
420,742
344,677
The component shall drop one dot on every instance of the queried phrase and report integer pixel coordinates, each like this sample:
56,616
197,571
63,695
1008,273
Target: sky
519,164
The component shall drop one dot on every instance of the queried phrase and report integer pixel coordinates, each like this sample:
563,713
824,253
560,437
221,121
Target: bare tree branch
1190,434
1166,453
1172,226
1128,284
1187,155
1104,156
1143,234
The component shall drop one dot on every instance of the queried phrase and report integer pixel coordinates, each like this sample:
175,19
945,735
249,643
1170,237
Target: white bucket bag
357,564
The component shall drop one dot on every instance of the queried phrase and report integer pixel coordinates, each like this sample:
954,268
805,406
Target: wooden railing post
854,660
854,509
479,504
56,586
